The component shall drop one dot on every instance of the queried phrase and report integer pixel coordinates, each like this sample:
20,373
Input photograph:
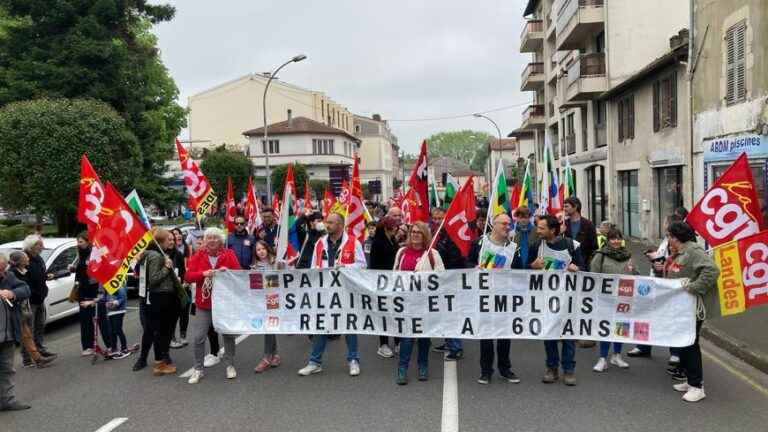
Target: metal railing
587,65
533,111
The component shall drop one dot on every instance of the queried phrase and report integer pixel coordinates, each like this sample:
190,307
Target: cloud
402,59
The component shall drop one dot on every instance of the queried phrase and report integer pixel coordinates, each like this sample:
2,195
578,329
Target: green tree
318,187
42,143
479,161
220,163
299,179
461,145
100,49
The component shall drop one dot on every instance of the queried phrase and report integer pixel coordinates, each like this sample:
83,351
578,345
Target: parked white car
58,254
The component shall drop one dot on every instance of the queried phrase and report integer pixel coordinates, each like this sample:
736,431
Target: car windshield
45,253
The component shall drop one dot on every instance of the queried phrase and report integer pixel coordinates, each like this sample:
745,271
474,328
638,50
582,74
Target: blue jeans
454,345
606,346
553,354
406,348
318,348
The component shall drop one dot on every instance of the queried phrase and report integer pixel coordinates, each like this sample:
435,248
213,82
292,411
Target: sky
403,59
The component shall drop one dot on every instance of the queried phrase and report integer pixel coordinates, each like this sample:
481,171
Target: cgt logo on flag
626,287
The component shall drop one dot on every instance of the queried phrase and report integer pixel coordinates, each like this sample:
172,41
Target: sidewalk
744,336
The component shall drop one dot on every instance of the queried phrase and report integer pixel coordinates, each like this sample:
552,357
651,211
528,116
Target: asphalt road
73,395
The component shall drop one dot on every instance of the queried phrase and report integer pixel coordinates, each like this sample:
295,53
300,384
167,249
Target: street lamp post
297,58
490,151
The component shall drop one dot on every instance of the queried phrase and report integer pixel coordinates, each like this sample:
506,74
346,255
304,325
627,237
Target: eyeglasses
240,223
415,232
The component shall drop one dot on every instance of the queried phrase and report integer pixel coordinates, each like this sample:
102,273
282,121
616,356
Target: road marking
239,339
450,420
114,423
759,388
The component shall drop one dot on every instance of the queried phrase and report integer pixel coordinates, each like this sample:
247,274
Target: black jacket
305,260
587,239
88,288
12,326
450,253
383,251
37,277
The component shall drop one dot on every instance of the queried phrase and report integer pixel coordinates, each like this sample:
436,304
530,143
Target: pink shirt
409,258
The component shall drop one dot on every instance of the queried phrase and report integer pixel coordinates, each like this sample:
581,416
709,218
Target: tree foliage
221,163
100,49
299,179
42,143
461,145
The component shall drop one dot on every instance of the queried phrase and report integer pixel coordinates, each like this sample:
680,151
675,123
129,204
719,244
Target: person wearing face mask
12,292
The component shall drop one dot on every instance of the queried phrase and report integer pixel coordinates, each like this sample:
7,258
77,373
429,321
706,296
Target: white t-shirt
493,256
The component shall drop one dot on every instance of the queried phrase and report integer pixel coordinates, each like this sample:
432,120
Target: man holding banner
557,253
334,250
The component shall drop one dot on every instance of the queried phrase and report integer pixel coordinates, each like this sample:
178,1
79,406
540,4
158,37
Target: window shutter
620,107
673,100
631,119
656,110
735,45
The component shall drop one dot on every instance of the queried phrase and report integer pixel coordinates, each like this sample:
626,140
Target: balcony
586,77
533,77
576,21
532,37
533,117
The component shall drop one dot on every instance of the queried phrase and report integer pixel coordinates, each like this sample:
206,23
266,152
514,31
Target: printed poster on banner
743,280
466,303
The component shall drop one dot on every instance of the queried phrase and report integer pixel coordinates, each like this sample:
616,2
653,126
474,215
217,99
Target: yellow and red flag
201,195
117,240
356,211
743,280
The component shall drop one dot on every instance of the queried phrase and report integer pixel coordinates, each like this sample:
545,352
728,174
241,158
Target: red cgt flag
201,196
355,220
307,197
252,208
461,212
231,208
89,204
328,202
730,209
420,185
119,238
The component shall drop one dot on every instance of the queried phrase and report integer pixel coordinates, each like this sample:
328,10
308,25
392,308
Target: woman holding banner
200,271
417,255
612,258
690,261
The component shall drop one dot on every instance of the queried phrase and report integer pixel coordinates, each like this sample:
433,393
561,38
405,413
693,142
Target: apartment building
581,49
730,90
219,115
379,160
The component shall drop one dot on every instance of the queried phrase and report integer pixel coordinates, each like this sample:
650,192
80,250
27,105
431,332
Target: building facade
730,90
219,115
379,159
327,152
581,49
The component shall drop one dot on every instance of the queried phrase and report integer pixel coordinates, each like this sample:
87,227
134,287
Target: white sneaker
195,377
354,368
385,351
616,360
601,365
694,394
210,360
310,369
183,341
220,354
682,387
231,372
86,352
176,344
674,360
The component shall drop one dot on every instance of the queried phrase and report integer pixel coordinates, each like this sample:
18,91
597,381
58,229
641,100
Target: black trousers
486,356
160,316
690,360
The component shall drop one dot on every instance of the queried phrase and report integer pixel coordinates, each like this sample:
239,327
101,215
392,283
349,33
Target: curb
736,347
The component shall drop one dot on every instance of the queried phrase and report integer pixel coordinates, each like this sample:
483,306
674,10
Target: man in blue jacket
12,292
242,243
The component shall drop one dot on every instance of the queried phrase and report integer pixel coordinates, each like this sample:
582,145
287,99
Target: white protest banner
471,303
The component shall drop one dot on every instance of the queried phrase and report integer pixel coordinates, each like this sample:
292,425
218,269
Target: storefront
719,154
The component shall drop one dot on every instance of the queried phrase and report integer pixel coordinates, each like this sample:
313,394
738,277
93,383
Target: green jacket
693,263
612,261
159,277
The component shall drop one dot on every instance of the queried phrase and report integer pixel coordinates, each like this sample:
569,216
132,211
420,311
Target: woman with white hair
213,256
37,277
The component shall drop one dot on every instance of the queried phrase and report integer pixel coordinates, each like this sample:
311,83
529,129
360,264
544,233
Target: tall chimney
290,118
